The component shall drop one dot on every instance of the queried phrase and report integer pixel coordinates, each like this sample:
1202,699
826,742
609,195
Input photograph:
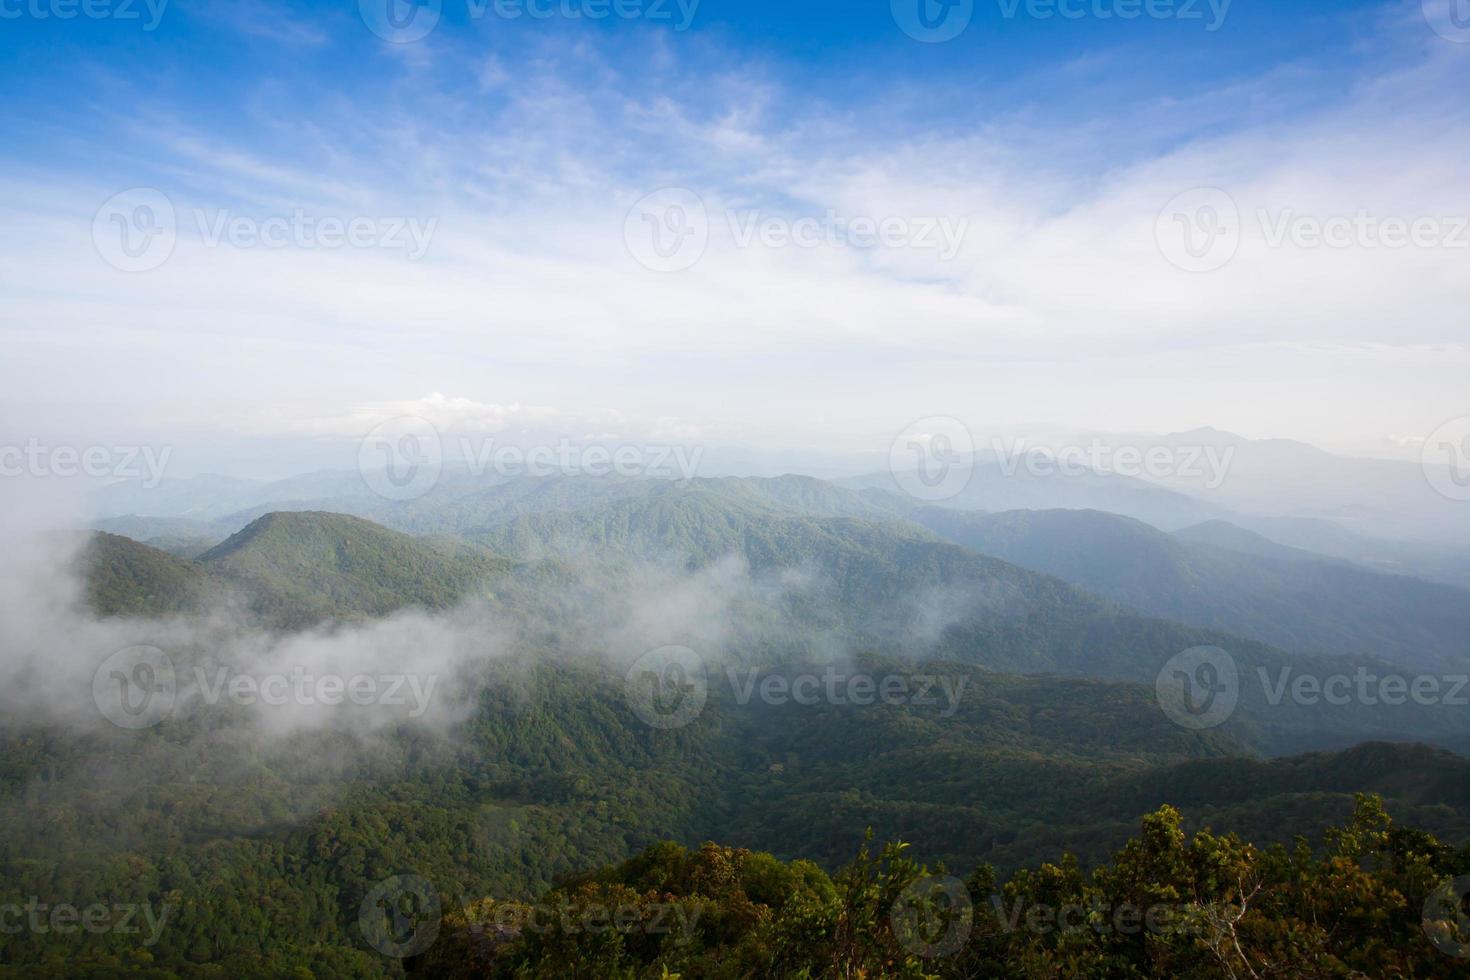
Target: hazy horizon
702,224
504,489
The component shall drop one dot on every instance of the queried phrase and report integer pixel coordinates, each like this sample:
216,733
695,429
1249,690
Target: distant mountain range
822,568
1378,513
1054,624
1221,577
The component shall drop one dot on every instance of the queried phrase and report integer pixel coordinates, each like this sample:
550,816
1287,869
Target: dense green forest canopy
1026,741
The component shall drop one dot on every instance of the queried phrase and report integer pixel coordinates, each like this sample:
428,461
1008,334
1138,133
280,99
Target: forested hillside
1288,598
264,846
1029,726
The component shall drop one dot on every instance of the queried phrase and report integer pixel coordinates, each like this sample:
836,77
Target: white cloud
528,287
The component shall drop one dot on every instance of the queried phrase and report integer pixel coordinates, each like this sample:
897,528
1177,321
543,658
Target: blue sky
847,58
1048,146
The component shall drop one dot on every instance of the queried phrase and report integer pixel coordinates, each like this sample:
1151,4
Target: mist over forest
734,489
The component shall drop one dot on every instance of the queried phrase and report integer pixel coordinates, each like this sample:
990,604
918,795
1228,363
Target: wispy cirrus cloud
528,163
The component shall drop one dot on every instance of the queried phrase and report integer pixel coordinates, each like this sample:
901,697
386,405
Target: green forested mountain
292,570
125,578
1004,481
888,584
168,533
1214,574
1232,537
803,584
1287,598
303,567
266,846
1378,901
1039,733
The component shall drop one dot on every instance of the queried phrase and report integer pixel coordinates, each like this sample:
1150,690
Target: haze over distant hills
1245,584
1378,513
1046,635
822,569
